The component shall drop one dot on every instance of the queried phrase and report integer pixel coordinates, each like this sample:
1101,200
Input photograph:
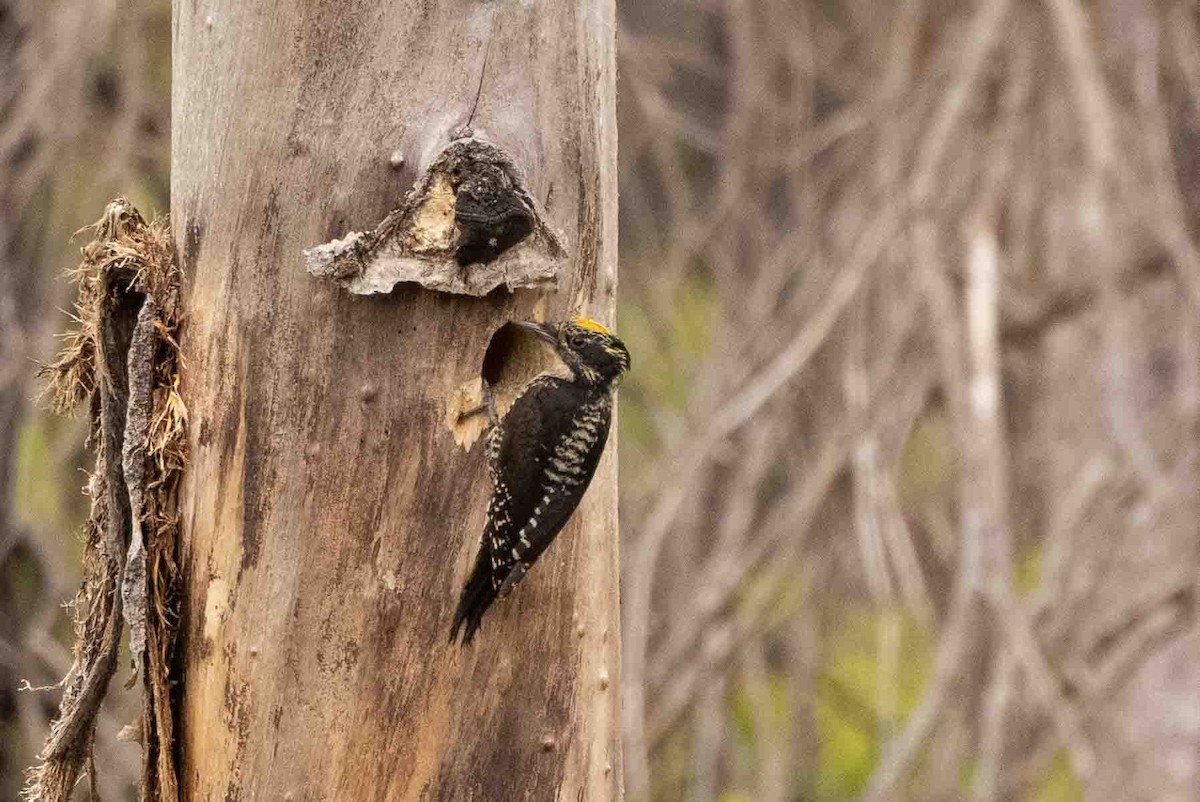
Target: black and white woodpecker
542,456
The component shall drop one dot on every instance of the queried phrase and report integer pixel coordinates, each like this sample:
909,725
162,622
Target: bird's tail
477,596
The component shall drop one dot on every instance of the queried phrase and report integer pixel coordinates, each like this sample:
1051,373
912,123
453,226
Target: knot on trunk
467,226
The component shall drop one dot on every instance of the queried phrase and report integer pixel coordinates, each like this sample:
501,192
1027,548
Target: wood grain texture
329,518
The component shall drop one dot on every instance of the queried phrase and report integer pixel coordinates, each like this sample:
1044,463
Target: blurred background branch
994,204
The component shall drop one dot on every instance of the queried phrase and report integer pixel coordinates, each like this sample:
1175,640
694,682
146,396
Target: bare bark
329,516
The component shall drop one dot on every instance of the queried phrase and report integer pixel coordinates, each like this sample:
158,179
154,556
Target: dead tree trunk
328,515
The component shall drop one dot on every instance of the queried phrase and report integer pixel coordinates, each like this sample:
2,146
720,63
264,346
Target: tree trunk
328,516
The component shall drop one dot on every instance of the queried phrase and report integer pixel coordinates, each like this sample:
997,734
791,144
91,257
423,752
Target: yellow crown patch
591,325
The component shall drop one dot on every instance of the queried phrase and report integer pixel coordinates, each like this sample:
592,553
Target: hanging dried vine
123,360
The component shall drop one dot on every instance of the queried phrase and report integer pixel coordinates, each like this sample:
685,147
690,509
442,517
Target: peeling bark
140,375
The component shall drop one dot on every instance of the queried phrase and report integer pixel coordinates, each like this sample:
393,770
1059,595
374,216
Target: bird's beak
542,330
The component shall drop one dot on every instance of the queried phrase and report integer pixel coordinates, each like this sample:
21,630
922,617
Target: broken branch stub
467,227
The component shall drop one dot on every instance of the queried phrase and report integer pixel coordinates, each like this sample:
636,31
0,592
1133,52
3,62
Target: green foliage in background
48,484
669,344
1060,783
857,703
850,717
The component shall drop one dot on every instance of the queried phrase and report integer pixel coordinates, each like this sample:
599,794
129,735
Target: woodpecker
541,457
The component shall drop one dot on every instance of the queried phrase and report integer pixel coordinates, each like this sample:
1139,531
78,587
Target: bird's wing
565,468
542,457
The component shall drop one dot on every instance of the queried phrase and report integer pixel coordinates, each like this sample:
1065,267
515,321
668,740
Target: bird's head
593,353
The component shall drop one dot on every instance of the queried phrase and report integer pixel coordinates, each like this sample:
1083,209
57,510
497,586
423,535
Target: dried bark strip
133,461
123,359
